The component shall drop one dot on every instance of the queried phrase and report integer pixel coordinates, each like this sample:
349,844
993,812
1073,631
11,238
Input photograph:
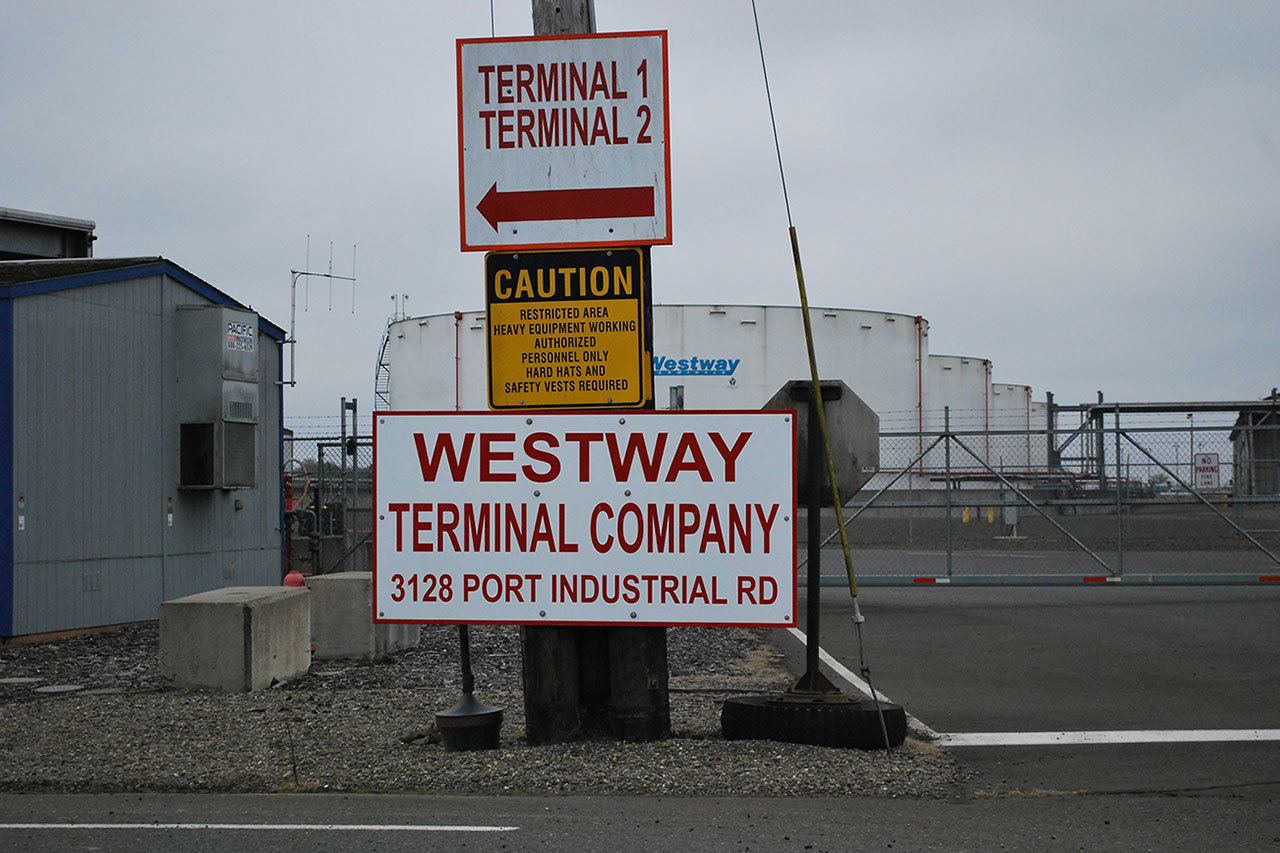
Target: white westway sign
655,518
562,141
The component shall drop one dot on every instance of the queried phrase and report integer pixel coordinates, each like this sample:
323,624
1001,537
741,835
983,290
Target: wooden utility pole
559,17
592,680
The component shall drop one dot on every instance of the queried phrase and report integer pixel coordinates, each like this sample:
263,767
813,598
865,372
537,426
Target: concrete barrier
342,620
236,639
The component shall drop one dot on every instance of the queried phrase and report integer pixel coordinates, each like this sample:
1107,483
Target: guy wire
786,200
816,391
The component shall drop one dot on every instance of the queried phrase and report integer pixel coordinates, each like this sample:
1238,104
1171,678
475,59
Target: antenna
308,274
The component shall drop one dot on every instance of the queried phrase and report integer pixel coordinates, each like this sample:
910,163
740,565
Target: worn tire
851,725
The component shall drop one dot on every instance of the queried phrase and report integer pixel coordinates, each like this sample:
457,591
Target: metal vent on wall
239,456
240,410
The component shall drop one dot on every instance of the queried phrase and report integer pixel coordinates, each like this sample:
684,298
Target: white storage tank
877,354
737,357
963,384
724,356
438,362
1010,410
1039,444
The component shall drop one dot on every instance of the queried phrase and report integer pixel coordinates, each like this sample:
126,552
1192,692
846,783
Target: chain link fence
331,480
1196,499
1169,499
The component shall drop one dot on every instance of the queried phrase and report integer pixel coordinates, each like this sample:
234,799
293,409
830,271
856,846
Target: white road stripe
916,727
273,827
1111,737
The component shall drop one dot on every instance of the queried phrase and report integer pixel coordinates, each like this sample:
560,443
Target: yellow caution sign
566,329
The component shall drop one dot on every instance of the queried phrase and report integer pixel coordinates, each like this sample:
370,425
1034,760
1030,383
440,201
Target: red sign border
666,130
795,551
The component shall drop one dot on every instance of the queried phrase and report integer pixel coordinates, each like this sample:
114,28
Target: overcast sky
1088,194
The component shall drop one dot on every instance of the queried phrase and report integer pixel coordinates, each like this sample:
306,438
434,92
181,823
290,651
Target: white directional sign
1206,471
562,141
540,518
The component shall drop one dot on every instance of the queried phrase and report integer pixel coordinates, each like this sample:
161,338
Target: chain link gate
332,532
1124,498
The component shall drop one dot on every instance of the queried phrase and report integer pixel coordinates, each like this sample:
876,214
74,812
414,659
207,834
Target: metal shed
25,235
140,429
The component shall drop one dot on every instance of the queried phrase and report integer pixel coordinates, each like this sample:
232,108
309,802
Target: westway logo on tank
694,366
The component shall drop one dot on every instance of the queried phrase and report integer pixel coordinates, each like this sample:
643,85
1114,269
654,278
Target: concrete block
342,623
236,639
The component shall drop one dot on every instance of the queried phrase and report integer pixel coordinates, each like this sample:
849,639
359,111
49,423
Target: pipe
1028,395
308,519
986,408
920,386
457,361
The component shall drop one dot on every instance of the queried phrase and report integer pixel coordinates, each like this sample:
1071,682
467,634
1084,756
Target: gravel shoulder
353,726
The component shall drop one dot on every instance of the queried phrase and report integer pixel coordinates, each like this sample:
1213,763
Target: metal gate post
1050,434
342,487
1119,499
1100,438
946,438
321,515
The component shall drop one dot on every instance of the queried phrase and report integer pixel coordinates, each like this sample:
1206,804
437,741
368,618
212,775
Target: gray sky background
1086,193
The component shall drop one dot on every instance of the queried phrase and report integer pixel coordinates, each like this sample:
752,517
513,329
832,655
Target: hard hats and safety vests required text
566,329
563,141
639,518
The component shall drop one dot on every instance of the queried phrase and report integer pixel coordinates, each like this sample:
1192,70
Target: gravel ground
348,726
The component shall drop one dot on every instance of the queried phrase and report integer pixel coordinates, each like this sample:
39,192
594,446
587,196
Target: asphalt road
1086,659
625,823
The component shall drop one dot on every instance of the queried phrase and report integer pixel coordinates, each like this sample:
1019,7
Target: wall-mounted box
217,396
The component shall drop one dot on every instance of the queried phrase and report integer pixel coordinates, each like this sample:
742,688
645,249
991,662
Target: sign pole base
595,681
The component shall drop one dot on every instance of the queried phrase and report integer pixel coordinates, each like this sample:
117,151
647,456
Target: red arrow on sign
547,205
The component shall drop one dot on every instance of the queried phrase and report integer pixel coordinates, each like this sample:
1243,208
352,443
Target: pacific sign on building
562,141
634,518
